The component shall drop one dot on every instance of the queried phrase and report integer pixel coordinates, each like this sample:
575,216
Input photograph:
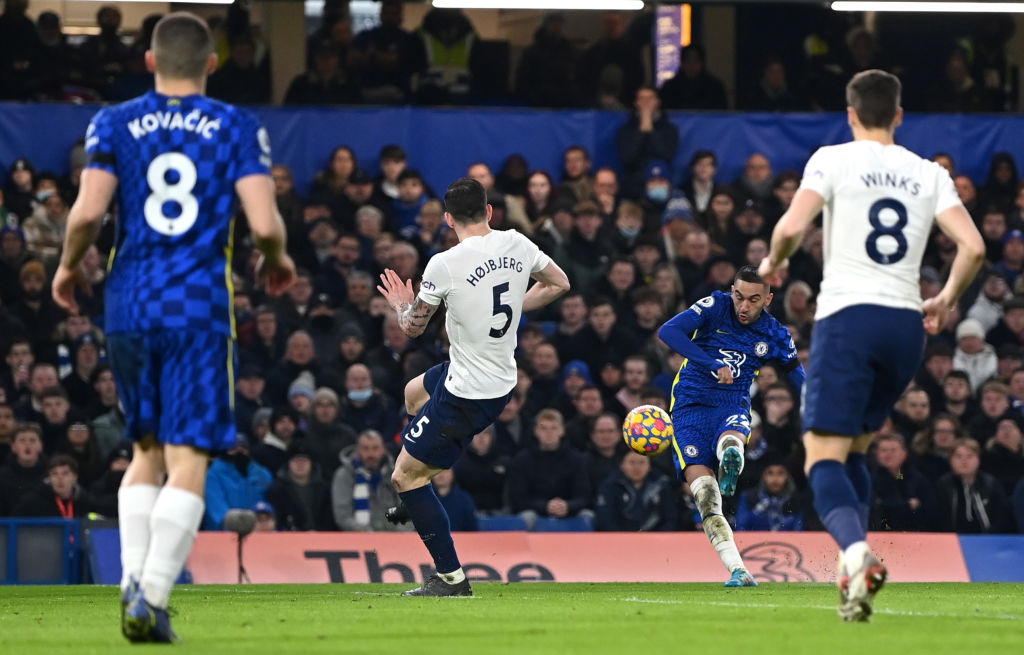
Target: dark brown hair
875,96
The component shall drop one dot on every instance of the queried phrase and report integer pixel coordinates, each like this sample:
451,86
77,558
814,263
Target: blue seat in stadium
548,327
500,523
573,524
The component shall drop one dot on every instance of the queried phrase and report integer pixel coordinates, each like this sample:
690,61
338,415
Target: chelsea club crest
761,349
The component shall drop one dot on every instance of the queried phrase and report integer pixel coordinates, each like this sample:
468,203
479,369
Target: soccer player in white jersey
483,282
880,201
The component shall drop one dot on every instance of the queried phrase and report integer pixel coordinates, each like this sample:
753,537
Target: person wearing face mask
629,220
233,481
657,193
365,408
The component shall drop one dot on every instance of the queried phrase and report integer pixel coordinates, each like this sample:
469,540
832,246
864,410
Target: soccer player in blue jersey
725,339
880,202
175,160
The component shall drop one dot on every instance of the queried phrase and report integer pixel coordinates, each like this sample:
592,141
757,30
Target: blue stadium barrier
103,554
40,551
443,142
994,558
572,524
500,523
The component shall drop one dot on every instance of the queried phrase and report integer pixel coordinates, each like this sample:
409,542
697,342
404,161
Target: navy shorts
446,424
178,385
695,432
862,359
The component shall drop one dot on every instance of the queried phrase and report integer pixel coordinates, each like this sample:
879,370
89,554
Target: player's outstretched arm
413,312
675,334
552,282
789,231
955,223
85,219
268,233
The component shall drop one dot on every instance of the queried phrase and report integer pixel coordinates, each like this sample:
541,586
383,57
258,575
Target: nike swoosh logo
721,331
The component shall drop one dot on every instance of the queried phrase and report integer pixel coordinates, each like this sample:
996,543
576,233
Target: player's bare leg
135,500
707,495
174,523
730,460
861,574
412,481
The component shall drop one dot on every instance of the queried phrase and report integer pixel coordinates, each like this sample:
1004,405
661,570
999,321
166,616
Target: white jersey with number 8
482,282
880,203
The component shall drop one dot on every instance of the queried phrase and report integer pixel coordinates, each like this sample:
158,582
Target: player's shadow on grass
776,562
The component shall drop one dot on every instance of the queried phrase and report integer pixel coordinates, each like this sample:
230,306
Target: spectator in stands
1003,457
636,498
365,408
636,376
540,198
912,413
546,75
515,209
326,435
386,58
19,45
784,188
988,308
656,194
605,450
289,204
1017,390
109,428
577,180
61,496
588,405
25,468
994,226
268,343
7,425
330,182
104,55
1000,188
648,314
587,254
780,421
458,504
647,136
300,497
266,521
411,198
719,274
361,490
772,92
612,68
719,218
86,357
957,399
80,444
448,41
57,61
36,309
233,481
957,91
551,479
481,473
756,181
44,229
42,376
607,193
932,447
19,192
104,490
774,505
1010,328
249,397
604,338
698,189
971,501
995,406
1011,265
240,80
299,358
326,83
749,224
692,260
300,397
512,177
693,87
272,452
904,499
512,430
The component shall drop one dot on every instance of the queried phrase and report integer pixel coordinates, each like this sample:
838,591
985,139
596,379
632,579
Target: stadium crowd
322,370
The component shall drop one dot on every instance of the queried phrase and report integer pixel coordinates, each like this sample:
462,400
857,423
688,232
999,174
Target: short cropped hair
63,460
466,201
749,274
549,414
875,96
182,44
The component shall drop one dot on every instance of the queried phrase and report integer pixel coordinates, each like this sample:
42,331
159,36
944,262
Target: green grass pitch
528,618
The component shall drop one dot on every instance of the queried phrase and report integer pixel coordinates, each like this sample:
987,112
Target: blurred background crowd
322,370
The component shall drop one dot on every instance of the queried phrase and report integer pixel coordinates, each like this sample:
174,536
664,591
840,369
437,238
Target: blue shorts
696,429
178,385
446,424
862,359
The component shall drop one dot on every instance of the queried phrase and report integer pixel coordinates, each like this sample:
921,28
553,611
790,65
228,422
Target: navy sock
432,524
836,502
860,478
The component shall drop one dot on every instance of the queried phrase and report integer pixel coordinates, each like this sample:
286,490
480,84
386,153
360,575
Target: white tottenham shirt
482,281
880,202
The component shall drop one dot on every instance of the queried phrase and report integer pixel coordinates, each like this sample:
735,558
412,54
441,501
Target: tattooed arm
413,317
413,312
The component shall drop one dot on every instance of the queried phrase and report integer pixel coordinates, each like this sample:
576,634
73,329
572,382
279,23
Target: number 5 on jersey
501,308
172,177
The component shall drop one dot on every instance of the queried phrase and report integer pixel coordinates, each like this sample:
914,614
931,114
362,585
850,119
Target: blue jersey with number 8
177,160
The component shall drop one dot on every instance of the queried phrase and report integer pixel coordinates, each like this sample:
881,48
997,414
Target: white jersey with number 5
880,203
482,281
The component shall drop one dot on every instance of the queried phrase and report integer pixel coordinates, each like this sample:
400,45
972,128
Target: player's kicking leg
412,481
708,496
416,396
174,522
730,461
837,501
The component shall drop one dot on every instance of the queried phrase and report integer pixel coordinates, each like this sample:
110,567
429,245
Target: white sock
173,527
725,442
455,577
709,503
854,555
134,505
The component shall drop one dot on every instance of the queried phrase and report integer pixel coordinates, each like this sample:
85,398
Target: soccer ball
648,430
